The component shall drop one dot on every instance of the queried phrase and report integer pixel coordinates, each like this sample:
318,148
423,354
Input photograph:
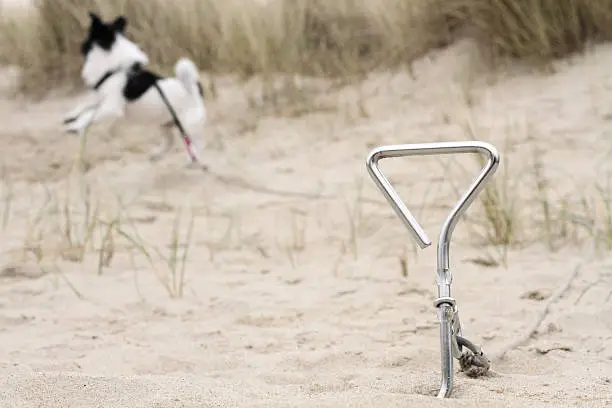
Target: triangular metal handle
427,149
447,311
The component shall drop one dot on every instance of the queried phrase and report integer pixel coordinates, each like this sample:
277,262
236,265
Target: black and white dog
114,71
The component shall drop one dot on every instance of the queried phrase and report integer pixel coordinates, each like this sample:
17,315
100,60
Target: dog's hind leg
166,144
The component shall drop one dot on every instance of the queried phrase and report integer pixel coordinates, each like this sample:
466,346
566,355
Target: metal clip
450,328
453,317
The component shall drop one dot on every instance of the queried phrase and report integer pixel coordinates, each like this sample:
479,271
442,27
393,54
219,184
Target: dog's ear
95,18
119,24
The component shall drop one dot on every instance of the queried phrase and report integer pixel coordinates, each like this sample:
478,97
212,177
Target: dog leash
177,122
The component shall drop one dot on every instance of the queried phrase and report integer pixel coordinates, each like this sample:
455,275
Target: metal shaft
445,312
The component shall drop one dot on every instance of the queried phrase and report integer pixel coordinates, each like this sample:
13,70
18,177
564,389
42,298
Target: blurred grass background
309,37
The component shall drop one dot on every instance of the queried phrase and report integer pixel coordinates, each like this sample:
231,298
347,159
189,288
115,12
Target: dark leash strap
102,80
177,122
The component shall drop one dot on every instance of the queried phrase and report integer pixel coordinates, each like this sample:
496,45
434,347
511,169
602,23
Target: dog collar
133,68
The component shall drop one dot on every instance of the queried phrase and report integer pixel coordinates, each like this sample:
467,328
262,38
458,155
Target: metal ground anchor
452,343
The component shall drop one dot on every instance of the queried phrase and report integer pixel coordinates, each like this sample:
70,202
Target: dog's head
106,48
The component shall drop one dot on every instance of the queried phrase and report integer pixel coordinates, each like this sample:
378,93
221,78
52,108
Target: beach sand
294,294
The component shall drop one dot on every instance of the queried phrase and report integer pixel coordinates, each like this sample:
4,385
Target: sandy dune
295,299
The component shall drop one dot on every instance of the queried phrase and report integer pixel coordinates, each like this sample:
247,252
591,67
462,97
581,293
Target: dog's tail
187,72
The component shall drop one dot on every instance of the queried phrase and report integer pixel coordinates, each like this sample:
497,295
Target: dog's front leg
90,102
79,123
106,109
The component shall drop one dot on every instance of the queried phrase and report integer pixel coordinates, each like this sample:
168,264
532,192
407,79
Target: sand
296,297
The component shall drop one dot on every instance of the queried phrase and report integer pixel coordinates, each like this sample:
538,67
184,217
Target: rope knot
473,361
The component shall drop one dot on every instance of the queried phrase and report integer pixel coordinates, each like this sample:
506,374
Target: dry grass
521,206
169,268
75,224
238,37
310,37
527,29
77,230
501,221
